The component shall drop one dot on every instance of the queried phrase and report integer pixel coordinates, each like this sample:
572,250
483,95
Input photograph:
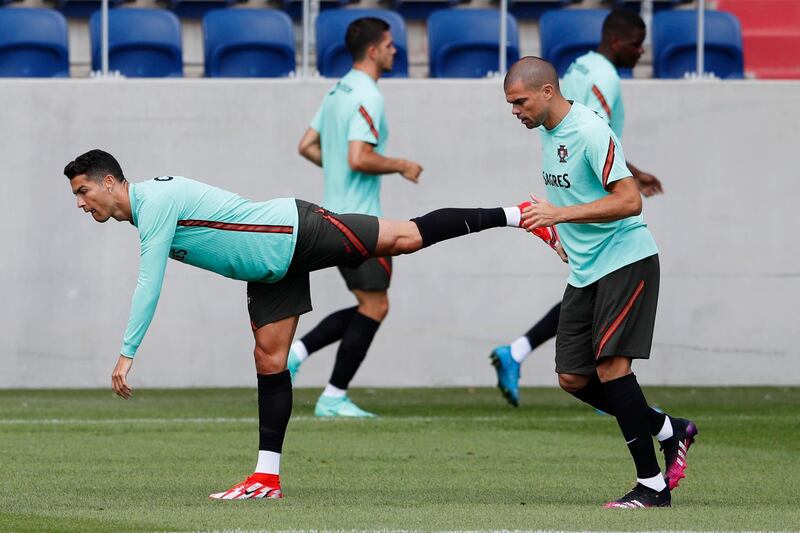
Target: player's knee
410,243
381,308
572,382
375,308
610,368
268,360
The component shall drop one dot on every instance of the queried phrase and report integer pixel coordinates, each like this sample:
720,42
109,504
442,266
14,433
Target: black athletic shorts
613,316
374,274
324,239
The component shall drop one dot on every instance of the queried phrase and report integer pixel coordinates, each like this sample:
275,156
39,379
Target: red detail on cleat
256,486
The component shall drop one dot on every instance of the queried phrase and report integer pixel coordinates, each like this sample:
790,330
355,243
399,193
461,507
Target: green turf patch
446,459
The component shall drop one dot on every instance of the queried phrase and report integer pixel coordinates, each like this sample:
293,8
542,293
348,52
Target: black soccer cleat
676,448
642,497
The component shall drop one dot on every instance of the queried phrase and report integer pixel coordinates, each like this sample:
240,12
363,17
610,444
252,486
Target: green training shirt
206,227
351,111
580,157
593,81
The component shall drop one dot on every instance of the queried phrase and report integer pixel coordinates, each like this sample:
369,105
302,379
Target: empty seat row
410,9
260,42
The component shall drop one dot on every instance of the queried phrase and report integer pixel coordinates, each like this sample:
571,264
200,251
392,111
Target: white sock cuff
300,350
334,392
666,430
513,216
268,463
520,349
656,482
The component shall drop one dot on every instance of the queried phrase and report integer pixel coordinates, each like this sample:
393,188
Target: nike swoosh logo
629,441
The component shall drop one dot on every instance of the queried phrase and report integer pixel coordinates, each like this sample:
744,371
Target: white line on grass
393,419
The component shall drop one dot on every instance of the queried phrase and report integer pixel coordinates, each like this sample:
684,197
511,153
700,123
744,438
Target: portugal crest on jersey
562,153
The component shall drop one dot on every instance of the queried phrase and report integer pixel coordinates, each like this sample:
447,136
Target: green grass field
448,459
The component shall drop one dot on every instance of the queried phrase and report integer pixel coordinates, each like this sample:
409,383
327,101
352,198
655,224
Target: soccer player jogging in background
609,306
271,245
347,138
593,81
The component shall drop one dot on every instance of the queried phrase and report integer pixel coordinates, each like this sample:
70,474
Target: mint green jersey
593,81
351,111
581,156
206,227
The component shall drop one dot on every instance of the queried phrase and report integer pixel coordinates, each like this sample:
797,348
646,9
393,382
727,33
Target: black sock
545,329
329,330
353,349
630,407
594,395
449,223
274,409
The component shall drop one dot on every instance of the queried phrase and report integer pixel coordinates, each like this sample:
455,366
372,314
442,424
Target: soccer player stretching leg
609,306
271,245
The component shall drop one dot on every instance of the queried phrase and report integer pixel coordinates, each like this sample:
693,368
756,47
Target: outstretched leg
405,237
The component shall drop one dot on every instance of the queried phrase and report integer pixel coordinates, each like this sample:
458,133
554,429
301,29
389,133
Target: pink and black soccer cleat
256,486
675,449
642,497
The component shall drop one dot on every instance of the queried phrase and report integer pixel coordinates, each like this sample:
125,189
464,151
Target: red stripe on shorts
620,318
387,266
347,232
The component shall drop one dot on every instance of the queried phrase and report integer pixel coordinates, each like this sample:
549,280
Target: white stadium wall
727,229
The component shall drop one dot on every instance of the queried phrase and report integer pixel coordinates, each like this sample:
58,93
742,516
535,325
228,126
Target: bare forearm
606,209
312,153
374,163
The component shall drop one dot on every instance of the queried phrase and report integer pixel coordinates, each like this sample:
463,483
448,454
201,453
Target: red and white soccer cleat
256,486
549,234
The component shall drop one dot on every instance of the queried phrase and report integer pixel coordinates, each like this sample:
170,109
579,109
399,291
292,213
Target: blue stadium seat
533,9
33,43
570,33
248,43
675,44
421,9
658,5
333,59
142,43
82,8
464,43
196,8
567,35
295,7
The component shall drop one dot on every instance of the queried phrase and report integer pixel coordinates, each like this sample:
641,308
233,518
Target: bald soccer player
592,80
609,306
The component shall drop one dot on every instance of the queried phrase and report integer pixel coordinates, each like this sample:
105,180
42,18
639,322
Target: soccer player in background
271,245
593,81
347,138
609,306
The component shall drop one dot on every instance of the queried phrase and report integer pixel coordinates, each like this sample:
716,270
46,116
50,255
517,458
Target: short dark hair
620,22
363,33
96,164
